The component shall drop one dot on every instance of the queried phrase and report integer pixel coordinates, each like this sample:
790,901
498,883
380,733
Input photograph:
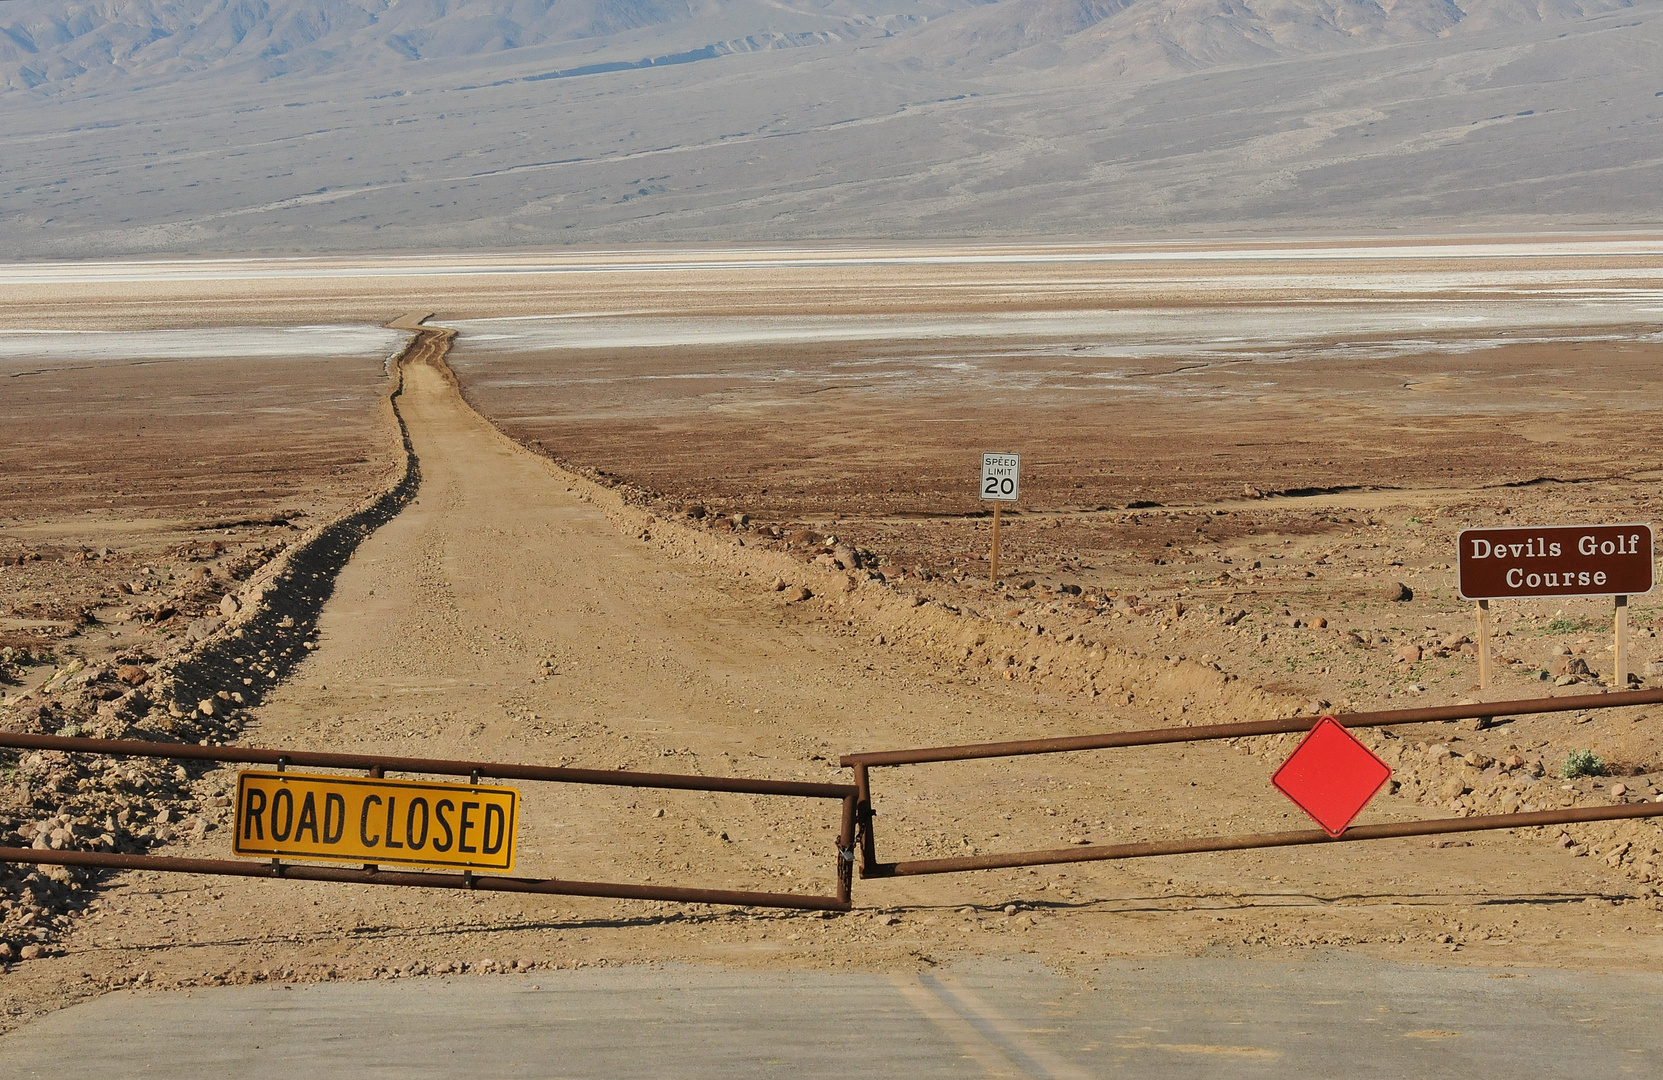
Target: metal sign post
1001,483
1557,560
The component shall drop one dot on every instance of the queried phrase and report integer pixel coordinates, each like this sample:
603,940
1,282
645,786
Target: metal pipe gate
857,812
871,867
378,765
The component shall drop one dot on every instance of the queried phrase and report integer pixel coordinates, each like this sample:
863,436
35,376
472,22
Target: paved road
1336,1017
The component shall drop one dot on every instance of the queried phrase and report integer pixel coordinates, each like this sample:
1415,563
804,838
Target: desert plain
714,511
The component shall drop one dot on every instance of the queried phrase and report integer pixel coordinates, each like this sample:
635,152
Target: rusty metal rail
1156,736
380,765
871,867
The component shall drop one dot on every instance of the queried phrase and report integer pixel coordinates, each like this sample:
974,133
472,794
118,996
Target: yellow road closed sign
368,820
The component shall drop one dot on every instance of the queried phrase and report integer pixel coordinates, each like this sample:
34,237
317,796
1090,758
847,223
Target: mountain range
46,44
173,125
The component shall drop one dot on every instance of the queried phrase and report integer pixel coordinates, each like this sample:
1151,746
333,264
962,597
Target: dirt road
512,612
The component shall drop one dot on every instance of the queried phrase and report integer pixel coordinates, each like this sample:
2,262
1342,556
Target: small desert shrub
1575,626
1582,763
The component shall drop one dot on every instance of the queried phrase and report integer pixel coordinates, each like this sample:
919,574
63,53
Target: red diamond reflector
1331,776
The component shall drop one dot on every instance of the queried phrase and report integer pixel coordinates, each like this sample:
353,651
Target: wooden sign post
1001,483
1620,630
1558,560
1483,643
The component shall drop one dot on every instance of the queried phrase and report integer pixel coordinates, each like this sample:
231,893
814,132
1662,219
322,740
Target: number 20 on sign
1001,483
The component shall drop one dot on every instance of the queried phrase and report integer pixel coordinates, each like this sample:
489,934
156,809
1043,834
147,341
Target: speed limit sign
1001,481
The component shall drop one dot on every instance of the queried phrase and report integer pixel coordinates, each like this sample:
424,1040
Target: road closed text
1573,560
368,820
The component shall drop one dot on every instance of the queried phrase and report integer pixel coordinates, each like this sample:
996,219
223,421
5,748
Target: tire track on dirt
277,611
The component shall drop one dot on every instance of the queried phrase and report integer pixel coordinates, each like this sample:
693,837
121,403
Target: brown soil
137,491
520,612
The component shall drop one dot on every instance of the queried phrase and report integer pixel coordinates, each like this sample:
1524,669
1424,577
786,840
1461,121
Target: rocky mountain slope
352,125
49,45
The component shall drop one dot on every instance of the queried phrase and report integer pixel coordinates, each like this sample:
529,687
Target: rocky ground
132,641
593,613
1392,645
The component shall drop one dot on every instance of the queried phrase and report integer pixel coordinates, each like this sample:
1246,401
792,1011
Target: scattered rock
203,628
1407,654
207,706
1399,591
1454,641
32,952
798,595
694,511
132,675
228,605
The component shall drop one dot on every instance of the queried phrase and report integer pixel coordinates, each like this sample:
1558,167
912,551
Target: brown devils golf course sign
1555,560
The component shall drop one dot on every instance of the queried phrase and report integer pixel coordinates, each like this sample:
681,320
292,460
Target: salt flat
249,343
